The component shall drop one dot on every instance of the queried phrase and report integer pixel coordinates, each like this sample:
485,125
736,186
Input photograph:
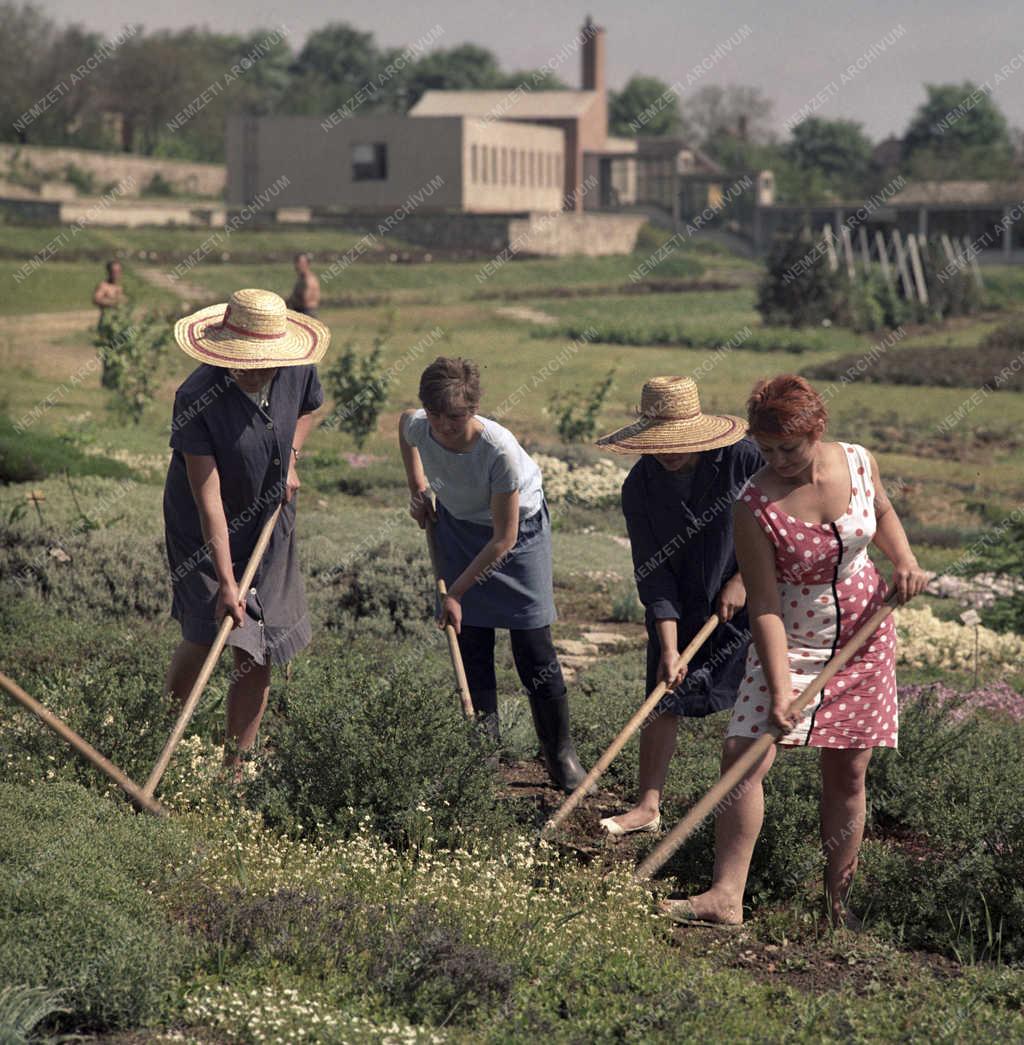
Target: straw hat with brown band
671,422
253,330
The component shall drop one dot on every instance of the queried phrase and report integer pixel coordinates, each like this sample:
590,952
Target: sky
799,53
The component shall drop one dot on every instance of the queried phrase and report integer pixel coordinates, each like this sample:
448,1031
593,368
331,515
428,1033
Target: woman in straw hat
803,526
677,500
240,420
494,547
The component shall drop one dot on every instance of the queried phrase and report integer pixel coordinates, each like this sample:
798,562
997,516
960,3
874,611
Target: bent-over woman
494,546
803,525
677,500
240,420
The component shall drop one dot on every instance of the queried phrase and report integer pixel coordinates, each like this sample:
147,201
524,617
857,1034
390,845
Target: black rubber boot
488,723
490,737
551,720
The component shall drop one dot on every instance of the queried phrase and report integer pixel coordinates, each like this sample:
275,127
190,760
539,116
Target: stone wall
561,234
554,234
194,179
475,232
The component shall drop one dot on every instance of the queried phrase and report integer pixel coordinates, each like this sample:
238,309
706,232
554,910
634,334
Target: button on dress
252,448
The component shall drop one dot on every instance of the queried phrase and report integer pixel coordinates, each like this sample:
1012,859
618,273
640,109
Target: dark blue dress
252,448
683,554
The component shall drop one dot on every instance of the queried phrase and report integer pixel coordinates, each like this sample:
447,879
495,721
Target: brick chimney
593,56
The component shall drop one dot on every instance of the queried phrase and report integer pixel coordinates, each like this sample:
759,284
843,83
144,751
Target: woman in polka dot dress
803,524
827,588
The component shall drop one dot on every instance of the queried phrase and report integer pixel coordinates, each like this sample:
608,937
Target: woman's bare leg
186,663
657,744
843,808
738,822
247,700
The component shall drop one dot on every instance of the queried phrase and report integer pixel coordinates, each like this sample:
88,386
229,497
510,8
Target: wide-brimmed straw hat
252,331
671,422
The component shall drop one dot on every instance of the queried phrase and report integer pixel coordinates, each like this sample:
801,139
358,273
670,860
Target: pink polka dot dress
828,587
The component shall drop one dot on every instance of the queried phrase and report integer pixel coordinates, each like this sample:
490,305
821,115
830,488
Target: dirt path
47,324
524,312
54,345
187,292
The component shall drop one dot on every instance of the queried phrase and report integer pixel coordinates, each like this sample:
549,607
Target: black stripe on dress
839,621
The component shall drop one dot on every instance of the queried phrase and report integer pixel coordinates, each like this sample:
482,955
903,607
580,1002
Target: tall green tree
958,132
838,150
645,106
335,63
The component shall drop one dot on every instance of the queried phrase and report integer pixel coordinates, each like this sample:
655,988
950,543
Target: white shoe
616,830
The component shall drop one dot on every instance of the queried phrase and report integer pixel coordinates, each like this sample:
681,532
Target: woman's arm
204,481
756,558
667,629
303,427
420,506
505,513
732,598
907,577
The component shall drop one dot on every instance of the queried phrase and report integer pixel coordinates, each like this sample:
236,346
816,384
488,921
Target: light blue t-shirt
465,481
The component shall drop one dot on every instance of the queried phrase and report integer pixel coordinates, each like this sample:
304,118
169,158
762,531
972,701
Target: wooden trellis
903,261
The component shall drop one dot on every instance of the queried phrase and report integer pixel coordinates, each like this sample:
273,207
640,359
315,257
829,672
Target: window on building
512,153
504,165
494,164
551,170
522,166
533,168
483,164
472,163
370,162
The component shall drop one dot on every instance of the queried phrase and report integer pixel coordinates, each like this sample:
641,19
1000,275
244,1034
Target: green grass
135,244
270,906
686,321
61,286
445,280
896,422
27,456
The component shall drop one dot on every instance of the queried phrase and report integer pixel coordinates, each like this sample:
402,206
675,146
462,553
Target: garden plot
371,877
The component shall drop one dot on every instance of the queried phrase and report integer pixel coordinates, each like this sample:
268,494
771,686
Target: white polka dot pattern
859,707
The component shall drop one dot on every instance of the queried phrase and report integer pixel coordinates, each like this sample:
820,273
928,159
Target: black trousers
534,655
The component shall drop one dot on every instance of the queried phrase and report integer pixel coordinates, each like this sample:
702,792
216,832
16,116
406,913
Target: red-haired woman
802,527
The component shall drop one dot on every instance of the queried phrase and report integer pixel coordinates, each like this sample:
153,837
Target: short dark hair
111,264
301,254
448,382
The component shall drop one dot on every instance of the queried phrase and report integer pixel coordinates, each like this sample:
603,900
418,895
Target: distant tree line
958,132
165,93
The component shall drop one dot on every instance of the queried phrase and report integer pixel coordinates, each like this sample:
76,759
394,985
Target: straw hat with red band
671,422
252,331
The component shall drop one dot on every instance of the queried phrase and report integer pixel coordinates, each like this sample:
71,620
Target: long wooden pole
629,729
189,707
901,265
883,256
918,268
83,747
454,652
734,776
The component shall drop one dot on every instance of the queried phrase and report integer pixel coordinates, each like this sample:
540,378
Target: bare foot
842,917
712,907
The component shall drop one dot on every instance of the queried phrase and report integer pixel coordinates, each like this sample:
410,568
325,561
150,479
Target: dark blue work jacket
683,554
